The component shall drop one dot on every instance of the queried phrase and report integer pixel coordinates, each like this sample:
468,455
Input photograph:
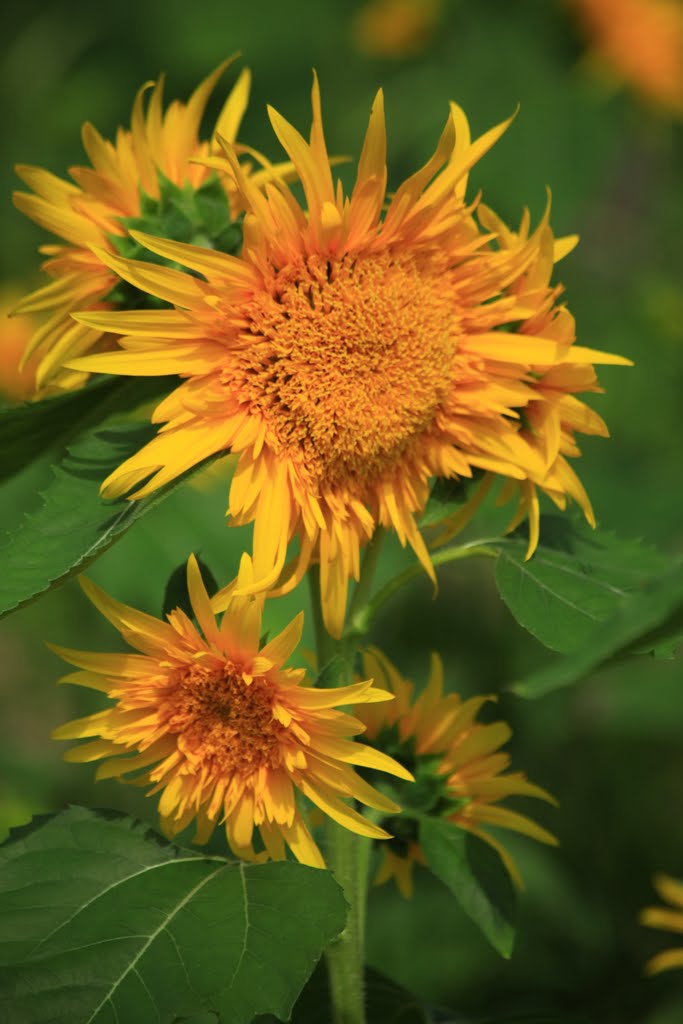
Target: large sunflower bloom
669,919
348,356
221,729
124,182
460,771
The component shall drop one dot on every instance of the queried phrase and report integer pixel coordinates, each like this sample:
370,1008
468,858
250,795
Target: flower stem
348,854
364,612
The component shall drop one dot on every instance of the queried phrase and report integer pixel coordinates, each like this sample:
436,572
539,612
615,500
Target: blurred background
600,89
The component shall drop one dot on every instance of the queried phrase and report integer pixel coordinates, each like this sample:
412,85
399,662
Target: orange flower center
223,721
351,361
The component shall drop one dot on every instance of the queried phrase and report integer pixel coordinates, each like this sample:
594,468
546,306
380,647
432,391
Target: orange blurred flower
396,28
641,42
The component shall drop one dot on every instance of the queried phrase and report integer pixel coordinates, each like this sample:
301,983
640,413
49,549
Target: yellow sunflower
669,919
460,771
221,729
351,354
139,178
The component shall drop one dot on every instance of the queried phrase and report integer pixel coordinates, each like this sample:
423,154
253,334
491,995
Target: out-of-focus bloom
396,28
146,178
352,354
669,919
460,771
221,729
17,378
641,42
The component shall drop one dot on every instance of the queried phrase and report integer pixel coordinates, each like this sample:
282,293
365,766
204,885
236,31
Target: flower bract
210,719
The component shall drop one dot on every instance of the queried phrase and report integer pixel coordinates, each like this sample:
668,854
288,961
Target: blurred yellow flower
17,378
131,179
669,919
641,42
226,734
395,28
353,352
460,772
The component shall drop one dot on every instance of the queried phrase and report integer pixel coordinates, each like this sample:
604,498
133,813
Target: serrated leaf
105,922
475,876
576,579
641,623
74,525
29,431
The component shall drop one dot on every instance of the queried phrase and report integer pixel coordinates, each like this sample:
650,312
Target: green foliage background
611,748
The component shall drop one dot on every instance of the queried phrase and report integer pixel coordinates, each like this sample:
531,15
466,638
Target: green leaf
474,874
334,673
576,579
176,594
29,431
74,525
641,623
105,922
447,497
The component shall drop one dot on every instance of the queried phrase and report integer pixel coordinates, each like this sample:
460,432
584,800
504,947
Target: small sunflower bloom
640,42
460,770
352,353
142,178
669,919
214,723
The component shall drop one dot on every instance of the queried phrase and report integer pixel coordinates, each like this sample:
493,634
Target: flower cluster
347,351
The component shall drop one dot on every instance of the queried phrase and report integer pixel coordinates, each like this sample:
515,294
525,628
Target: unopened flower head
668,918
460,771
353,352
156,175
213,722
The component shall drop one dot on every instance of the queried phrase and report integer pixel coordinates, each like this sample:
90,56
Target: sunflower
226,734
148,177
669,918
639,42
460,771
349,355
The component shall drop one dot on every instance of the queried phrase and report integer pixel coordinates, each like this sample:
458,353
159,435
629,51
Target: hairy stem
348,854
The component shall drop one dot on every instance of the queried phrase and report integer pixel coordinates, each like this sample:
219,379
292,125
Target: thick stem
348,854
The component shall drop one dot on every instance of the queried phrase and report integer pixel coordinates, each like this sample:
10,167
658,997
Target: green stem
325,646
361,594
359,623
348,854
